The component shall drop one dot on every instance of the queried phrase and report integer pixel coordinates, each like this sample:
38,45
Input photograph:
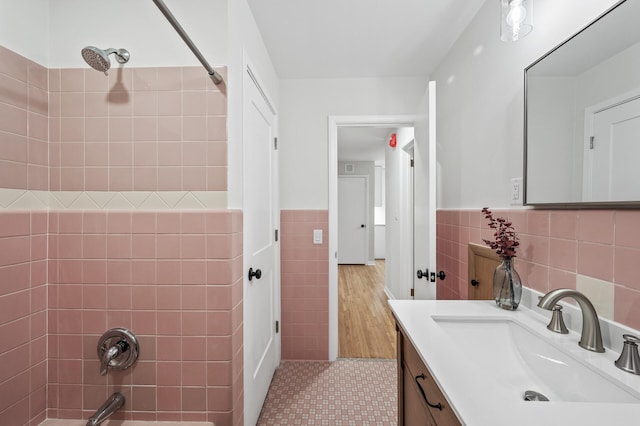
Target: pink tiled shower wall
304,285
175,280
139,129
23,123
23,317
556,246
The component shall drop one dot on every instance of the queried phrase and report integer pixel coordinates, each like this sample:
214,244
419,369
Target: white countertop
477,397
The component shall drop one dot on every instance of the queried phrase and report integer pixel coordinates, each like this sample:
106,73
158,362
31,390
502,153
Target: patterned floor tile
345,392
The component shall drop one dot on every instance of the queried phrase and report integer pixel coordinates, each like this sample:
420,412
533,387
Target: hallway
366,325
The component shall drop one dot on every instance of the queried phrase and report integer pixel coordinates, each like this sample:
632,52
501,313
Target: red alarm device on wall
393,142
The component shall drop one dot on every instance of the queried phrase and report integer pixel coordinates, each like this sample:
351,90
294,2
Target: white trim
334,122
256,81
390,296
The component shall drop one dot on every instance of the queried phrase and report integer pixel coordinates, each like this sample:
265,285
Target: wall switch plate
516,192
317,236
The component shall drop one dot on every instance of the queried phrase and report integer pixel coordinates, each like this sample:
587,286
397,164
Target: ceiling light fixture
516,19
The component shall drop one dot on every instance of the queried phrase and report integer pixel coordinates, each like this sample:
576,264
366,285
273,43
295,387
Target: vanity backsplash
593,251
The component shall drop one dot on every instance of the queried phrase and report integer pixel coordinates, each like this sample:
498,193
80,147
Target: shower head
98,59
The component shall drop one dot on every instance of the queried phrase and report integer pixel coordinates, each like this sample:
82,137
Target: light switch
317,236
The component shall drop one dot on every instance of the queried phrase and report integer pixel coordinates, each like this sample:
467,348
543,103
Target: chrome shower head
98,59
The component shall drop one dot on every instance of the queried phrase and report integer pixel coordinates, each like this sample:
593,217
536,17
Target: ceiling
363,143
360,38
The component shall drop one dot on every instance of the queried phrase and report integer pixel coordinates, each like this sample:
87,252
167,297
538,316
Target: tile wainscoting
305,285
594,251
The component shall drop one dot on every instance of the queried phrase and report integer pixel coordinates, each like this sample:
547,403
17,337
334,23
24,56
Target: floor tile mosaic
346,392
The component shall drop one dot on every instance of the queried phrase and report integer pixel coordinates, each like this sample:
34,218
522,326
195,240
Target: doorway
424,202
370,172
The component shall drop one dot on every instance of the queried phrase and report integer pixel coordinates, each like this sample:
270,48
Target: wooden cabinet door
416,387
482,264
415,411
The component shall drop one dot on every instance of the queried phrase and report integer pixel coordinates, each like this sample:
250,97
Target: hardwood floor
366,325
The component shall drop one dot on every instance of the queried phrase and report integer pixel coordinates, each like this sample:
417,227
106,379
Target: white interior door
614,173
353,214
262,291
424,202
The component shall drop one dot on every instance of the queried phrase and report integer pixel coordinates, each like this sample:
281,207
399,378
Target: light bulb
516,16
516,20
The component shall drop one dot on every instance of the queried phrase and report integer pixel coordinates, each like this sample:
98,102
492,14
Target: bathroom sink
519,359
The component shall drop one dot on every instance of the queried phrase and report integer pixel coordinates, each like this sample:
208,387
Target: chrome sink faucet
591,338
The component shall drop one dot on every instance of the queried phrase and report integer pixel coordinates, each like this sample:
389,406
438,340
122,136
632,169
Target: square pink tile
143,271
626,306
168,298
627,231
563,254
625,267
595,260
194,297
596,226
194,348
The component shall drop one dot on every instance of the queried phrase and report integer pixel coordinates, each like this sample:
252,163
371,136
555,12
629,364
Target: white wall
305,106
139,27
481,97
24,28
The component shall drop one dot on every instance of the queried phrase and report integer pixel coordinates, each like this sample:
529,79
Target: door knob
257,273
421,274
440,275
475,283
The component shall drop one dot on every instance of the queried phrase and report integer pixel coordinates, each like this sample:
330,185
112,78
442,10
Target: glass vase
507,287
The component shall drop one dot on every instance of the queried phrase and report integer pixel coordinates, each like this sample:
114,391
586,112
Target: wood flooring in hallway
366,325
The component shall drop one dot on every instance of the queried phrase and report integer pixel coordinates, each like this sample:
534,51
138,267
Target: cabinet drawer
416,369
416,412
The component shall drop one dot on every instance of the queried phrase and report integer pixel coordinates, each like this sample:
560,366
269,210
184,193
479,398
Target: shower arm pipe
215,76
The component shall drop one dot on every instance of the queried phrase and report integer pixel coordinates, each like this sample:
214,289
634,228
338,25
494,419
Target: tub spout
110,406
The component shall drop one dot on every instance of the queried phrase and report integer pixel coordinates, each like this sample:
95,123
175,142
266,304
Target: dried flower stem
505,238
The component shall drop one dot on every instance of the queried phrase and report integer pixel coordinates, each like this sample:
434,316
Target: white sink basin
519,359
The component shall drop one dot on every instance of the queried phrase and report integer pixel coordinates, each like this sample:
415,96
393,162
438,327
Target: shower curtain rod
217,79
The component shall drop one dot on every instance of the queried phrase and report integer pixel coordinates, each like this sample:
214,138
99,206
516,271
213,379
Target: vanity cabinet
420,401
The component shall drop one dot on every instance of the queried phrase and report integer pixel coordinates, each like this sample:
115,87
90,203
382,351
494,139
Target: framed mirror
582,116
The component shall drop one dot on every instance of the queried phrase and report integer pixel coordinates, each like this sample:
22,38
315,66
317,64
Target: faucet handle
118,349
557,321
629,359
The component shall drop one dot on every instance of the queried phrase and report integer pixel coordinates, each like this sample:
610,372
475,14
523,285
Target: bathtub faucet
110,406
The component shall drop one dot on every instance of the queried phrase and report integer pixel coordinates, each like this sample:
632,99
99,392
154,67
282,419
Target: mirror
582,116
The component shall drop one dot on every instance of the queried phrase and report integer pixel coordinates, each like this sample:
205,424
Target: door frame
334,122
367,211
